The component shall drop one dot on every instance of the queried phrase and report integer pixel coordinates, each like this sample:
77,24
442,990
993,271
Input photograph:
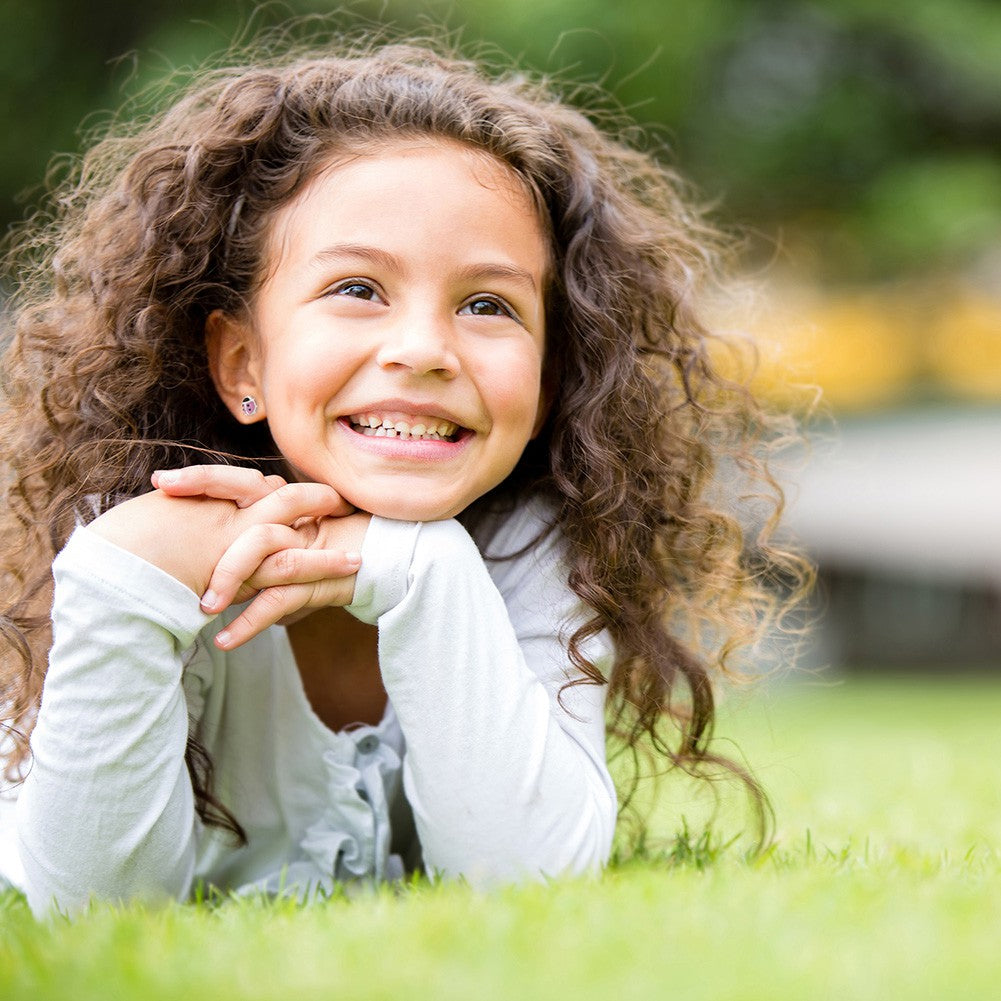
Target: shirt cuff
384,576
134,584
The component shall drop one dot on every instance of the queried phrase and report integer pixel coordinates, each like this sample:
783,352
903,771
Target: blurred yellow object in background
855,351
964,346
866,351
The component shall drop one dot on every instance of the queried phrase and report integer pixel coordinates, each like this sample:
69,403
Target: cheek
515,396
302,376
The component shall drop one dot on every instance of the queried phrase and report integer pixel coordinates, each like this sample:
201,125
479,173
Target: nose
421,343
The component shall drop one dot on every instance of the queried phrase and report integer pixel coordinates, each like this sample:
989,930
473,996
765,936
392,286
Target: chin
405,509
411,513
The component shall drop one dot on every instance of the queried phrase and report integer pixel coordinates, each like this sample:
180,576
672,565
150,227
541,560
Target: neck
338,661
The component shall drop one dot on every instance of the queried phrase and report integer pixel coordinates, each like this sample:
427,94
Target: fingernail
353,557
209,600
168,477
222,638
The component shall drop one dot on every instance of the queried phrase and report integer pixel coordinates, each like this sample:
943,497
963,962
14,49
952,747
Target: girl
410,355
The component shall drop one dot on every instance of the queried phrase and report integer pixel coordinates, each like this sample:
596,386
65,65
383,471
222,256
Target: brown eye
356,290
486,307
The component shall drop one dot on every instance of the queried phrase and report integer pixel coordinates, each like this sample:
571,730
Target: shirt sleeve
107,809
505,765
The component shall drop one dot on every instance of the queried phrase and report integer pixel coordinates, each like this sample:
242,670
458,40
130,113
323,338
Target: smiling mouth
410,428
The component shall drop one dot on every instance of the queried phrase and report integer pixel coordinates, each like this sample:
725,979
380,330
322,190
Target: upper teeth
413,427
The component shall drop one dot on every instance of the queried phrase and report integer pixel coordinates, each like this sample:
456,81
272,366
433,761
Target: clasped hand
231,534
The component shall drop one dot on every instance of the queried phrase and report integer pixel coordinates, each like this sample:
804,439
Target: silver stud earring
248,405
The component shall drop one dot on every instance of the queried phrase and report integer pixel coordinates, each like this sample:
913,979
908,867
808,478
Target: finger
290,566
242,559
276,603
232,583
241,484
303,566
293,501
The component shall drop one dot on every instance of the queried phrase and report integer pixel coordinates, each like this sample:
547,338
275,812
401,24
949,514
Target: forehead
373,172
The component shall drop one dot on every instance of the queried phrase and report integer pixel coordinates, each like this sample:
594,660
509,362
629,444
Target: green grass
883,883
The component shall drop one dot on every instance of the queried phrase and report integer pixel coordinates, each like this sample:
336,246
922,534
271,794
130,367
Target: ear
234,363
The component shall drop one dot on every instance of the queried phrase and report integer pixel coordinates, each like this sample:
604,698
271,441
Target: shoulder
524,551
528,527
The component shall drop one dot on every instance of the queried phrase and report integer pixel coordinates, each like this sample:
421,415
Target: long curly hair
105,378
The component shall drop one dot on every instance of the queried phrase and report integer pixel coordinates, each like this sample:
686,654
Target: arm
505,782
186,535
107,808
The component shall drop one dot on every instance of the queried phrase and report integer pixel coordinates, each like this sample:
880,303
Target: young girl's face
396,345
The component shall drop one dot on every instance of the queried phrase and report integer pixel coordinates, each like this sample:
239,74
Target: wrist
182,537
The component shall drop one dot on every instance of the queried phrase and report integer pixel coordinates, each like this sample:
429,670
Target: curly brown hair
106,379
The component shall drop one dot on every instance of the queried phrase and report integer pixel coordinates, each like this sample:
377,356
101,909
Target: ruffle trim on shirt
349,845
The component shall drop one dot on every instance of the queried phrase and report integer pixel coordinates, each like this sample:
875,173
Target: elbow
68,882
48,897
529,849
584,850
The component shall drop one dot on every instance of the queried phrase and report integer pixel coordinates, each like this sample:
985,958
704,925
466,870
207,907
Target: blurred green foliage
866,132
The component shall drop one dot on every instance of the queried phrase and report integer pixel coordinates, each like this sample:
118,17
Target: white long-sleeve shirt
503,777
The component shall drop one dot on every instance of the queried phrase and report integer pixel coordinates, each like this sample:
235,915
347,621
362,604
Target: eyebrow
471,272
501,272
341,250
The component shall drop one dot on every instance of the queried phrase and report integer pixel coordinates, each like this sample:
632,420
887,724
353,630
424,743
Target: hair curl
105,378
